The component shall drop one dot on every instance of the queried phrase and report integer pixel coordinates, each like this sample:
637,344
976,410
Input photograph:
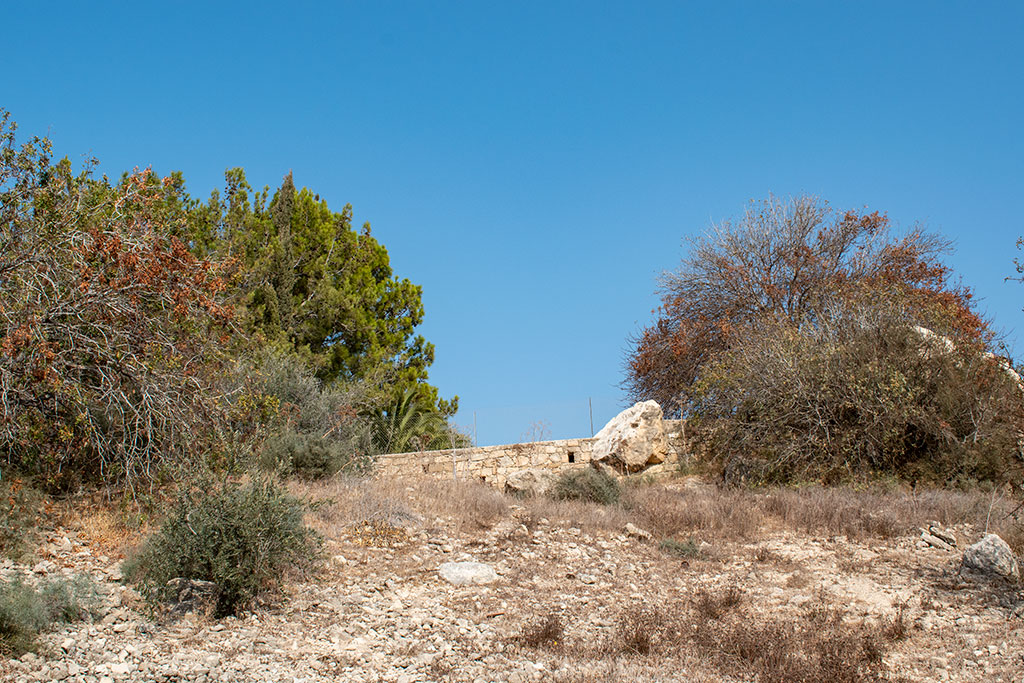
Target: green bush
27,610
687,548
587,484
244,538
309,456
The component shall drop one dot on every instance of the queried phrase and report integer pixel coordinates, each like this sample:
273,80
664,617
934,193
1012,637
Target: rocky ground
576,598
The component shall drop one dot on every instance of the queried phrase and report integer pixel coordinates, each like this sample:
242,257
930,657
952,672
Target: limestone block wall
492,464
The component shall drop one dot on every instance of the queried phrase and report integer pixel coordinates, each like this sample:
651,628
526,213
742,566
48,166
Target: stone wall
492,464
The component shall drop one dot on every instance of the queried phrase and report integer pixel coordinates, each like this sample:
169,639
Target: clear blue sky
535,165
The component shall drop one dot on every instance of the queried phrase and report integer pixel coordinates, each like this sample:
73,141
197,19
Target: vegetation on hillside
143,331
818,345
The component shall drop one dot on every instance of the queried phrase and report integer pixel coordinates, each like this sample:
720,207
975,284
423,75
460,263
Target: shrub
857,394
25,611
109,337
308,429
308,456
811,344
244,538
588,484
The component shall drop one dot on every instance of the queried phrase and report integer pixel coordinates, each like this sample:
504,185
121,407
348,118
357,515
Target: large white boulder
991,556
633,440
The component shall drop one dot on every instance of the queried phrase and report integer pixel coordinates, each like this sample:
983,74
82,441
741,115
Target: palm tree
405,426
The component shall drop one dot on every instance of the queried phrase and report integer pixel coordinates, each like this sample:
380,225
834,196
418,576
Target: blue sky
535,165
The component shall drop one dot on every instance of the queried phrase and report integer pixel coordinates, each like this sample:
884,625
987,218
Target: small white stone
121,669
462,573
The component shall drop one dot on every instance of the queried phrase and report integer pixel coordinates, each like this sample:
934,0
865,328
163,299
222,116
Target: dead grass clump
637,631
686,549
708,605
765,555
885,513
378,534
717,628
836,511
818,646
724,513
897,628
1012,531
547,633
347,503
108,527
577,513
471,504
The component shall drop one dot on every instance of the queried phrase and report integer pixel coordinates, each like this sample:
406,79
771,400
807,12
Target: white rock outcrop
633,440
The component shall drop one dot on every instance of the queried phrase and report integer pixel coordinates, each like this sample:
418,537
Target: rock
633,439
934,541
121,669
990,556
192,595
44,567
529,483
463,573
946,535
637,532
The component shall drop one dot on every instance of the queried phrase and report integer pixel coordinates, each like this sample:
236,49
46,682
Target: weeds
897,628
20,513
714,627
26,611
724,513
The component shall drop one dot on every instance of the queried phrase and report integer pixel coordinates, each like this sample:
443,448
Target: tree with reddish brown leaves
789,261
110,328
820,345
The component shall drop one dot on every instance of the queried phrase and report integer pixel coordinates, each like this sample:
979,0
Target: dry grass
715,630
108,528
741,514
547,632
715,604
584,515
346,502
706,513
669,513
